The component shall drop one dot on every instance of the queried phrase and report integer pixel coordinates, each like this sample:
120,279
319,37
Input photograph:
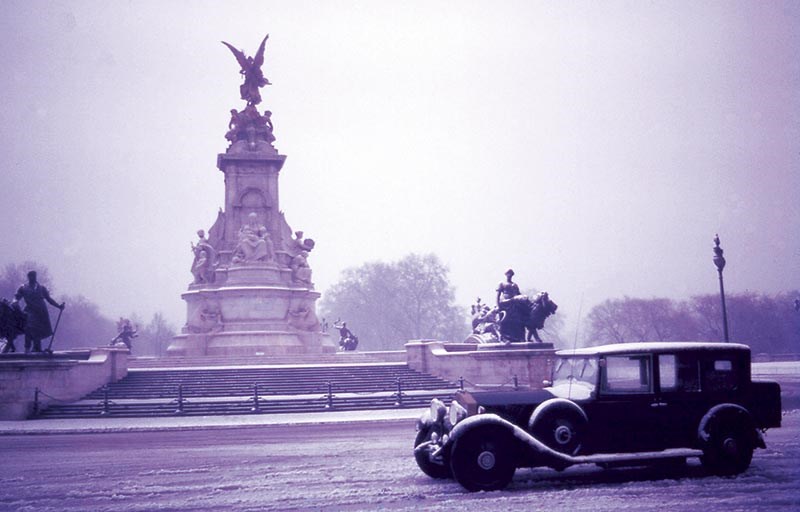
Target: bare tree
82,325
631,319
15,275
606,323
765,323
154,337
756,319
387,304
708,315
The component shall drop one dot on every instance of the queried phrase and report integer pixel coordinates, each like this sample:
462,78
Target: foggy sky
596,148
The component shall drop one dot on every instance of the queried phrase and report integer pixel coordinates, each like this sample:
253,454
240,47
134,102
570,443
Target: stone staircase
257,389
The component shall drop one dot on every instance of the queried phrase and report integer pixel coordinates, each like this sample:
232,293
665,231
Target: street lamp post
719,261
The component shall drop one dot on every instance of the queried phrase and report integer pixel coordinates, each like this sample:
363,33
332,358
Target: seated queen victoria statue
254,243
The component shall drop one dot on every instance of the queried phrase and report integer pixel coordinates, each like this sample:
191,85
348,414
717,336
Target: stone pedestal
484,366
254,319
61,377
254,296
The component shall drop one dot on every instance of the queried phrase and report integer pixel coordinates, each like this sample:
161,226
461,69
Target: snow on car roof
650,346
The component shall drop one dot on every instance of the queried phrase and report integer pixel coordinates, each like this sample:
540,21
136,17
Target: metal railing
259,400
261,403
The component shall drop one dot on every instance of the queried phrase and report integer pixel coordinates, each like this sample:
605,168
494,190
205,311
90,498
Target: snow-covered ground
336,461
349,467
782,369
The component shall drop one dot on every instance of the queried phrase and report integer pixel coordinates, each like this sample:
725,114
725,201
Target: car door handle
658,404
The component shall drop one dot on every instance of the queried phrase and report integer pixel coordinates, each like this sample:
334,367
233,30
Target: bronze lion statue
514,320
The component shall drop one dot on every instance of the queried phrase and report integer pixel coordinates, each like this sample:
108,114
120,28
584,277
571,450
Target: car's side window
719,375
627,374
667,372
678,373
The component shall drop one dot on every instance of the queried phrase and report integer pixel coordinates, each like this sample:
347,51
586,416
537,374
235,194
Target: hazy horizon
594,148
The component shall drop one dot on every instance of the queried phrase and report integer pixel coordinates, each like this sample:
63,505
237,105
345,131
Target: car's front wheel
423,458
484,458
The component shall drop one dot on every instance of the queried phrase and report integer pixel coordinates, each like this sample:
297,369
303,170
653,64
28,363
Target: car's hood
491,399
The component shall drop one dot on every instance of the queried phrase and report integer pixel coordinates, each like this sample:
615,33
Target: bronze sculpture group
12,324
33,321
515,317
126,333
347,340
249,128
251,70
205,259
255,243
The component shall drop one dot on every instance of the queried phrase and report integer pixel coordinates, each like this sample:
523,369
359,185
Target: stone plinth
65,376
483,365
247,275
256,319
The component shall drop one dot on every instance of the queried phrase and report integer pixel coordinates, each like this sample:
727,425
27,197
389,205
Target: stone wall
66,376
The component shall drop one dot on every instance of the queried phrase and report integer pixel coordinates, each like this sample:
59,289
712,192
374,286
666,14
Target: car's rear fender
729,415
764,403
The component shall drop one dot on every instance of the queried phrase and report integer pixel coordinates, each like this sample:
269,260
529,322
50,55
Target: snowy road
322,467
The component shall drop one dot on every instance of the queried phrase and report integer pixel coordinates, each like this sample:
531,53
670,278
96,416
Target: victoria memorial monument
252,291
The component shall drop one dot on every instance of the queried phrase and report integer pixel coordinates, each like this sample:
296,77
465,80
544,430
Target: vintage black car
614,405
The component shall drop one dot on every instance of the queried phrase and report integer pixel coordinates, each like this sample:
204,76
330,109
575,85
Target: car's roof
652,346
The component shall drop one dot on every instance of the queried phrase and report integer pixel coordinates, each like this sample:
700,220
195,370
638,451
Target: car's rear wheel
483,458
729,451
429,467
560,428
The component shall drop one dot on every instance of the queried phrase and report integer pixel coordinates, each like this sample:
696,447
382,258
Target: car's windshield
575,377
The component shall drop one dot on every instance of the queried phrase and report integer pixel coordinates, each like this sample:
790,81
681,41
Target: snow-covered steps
279,388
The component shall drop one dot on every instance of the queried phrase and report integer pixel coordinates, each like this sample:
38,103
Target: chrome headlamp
457,412
438,410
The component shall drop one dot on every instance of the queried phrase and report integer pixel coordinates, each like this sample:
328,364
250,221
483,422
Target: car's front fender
536,452
556,404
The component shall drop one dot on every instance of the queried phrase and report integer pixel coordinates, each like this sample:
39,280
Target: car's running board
638,457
